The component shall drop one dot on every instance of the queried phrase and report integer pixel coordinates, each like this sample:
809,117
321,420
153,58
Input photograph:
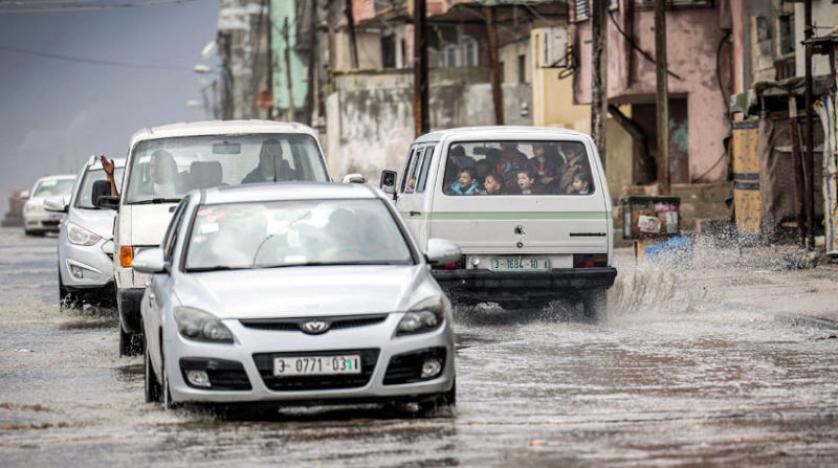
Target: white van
529,207
164,163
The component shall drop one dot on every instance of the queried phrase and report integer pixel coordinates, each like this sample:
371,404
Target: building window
449,56
676,3
785,34
522,68
470,52
388,51
502,71
403,59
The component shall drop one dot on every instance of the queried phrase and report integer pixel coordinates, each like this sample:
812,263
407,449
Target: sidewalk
752,279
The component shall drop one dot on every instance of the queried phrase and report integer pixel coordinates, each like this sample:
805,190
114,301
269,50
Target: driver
342,233
162,181
270,168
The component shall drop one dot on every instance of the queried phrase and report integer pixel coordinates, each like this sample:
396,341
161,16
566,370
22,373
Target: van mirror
442,251
354,178
56,205
387,182
150,261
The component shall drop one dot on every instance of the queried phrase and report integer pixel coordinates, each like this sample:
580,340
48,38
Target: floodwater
673,375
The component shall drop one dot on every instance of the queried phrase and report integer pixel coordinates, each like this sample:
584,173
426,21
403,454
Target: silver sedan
295,293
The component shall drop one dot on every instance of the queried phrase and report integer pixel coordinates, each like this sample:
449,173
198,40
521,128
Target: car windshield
49,188
164,169
295,233
517,168
84,198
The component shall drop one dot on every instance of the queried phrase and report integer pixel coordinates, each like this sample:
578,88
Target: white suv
529,207
166,162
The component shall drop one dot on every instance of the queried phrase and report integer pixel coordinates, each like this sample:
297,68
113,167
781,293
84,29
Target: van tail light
126,255
590,260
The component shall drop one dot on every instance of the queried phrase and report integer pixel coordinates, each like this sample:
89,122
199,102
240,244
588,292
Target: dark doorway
645,116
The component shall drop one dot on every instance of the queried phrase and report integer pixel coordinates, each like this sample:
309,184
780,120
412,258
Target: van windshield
518,168
164,169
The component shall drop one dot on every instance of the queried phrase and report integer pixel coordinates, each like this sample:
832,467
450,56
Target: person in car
527,185
163,178
492,184
272,167
465,184
576,163
544,168
581,184
511,160
483,168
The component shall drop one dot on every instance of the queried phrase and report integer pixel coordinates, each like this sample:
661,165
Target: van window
518,168
165,169
408,182
425,166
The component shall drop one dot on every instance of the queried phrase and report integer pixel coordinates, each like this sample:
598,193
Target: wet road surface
674,375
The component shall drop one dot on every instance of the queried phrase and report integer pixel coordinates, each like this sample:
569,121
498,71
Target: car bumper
41,221
84,267
487,285
254,349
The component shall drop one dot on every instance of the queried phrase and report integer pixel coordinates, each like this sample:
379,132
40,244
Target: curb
823,324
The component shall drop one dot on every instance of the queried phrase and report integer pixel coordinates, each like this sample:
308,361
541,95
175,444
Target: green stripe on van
514,215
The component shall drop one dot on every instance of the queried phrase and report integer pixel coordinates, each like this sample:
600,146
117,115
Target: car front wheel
153,389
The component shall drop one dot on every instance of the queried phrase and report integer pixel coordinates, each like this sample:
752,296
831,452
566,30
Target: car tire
66,299
166,391
153,389
594,304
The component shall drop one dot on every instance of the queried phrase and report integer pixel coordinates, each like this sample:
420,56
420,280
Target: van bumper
487,285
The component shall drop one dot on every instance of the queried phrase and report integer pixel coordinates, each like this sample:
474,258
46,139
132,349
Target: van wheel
594,304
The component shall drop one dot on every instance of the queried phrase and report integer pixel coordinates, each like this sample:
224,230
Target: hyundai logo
315,327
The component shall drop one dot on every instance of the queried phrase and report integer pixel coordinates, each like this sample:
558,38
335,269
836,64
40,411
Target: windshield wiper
215,268
359,262
156,201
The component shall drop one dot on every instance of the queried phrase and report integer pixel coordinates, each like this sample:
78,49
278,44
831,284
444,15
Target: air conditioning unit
553,48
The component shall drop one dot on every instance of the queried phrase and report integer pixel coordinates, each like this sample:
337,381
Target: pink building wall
693,36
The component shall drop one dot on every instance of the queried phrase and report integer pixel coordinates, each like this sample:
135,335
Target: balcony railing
784,68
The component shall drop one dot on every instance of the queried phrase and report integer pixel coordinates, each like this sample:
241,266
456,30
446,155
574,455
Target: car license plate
317,365
520,263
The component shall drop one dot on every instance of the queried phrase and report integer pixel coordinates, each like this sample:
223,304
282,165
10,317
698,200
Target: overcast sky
54,113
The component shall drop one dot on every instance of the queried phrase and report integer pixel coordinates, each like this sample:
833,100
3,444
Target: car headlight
81,236
198,325
422,318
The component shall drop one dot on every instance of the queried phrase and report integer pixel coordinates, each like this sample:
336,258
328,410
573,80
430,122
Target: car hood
100,222
306,291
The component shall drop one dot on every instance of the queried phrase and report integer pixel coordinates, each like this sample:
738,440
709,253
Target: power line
18,6
91,61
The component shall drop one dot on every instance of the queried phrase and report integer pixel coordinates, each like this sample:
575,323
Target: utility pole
662,98
799,178
353,44
421,117
494,65
599,75
270,61
809,166
331,19
312,65
292,112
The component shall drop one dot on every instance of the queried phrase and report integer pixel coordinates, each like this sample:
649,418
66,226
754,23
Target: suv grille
265,364
295,324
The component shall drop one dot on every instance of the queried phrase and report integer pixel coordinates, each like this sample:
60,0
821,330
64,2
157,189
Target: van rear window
489,168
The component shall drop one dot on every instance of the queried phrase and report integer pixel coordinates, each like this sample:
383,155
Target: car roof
220,127
94,161
285,191
497,131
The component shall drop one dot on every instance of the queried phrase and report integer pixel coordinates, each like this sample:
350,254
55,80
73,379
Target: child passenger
465,184
492,184
581,184
528,185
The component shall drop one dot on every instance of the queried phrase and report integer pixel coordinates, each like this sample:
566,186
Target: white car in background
36,220
295,293
85,247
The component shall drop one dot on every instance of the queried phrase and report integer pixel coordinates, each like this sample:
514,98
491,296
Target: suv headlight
198,325
422,318
81,236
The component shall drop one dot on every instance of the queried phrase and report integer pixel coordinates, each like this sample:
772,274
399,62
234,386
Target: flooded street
686,368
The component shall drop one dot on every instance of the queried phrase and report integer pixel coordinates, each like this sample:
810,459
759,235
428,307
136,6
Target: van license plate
522,263
317,365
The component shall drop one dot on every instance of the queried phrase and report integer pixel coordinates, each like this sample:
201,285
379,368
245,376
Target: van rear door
543,229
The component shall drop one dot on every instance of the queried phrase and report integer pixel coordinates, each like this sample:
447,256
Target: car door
413,189
159,286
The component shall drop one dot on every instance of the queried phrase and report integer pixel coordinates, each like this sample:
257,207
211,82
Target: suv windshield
165,169
54,188
85,193
295,233
517,168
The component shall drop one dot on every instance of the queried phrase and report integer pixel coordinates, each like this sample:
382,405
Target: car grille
407,367
265,364
295,324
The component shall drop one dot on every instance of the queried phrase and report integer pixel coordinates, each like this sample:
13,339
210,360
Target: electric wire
92,61
52,6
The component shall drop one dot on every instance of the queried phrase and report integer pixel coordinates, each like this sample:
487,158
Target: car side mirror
101,188
442,251
24,195
150,261
387,182
56,205
354,179
109,202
